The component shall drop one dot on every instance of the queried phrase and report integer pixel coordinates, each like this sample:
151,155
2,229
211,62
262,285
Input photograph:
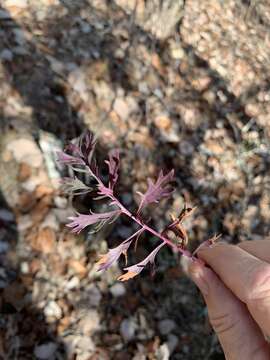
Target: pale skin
235,284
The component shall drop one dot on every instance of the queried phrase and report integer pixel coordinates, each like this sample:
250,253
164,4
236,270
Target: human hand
236,289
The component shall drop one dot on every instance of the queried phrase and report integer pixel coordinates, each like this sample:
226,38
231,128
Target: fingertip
206,253
200,275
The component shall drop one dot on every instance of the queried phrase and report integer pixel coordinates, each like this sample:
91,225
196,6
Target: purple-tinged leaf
156,191
137,240
114,254
80,170
104,191
113,164
94,167
73,149
65,158
80,153
75,186
87,143
81,221
135,270
99,225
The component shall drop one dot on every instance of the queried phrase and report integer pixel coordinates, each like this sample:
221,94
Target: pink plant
80,159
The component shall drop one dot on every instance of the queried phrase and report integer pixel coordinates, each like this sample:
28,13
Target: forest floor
172,84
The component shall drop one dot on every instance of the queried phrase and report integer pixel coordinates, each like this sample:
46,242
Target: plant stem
139,222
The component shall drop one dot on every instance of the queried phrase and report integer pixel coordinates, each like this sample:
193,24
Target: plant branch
138,221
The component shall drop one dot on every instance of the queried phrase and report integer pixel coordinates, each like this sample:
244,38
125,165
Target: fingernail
198,273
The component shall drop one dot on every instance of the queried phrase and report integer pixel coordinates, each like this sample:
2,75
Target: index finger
245,275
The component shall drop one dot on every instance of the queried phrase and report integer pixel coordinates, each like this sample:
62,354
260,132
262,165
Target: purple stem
139,222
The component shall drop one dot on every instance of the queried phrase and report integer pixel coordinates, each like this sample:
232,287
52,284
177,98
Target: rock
64,324
52,309
121,108
63,214
4,246
6,55
143,88
73,283
85,27
77,81
186,148
25,172
45,351
163,122
44,241
250,218
56,65
90,297
118,290
84,356
31,184
60,202
50,221
27,151
166,326
69,342
16,3
4,15
78,267
90,322
163,352
19,36
20,50
127,329
16,7
24,267
177,53
50,144
172,342
6,215
24,222
125,106
94,296
86,344
43,190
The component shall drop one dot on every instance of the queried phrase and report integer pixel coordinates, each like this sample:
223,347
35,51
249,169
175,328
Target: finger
239,335
245,275
258,248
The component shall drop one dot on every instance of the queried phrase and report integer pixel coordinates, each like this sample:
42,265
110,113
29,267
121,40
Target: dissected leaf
156,191
74,149
65,158
113,255
176,225
81,221
87,143
99,225
79,155
75,186
103,192
135,270
113,164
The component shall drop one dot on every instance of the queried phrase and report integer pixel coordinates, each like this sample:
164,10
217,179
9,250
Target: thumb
239,335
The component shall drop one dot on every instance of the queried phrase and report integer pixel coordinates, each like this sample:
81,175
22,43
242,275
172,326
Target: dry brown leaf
24,172
42,190
77,266
44,241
